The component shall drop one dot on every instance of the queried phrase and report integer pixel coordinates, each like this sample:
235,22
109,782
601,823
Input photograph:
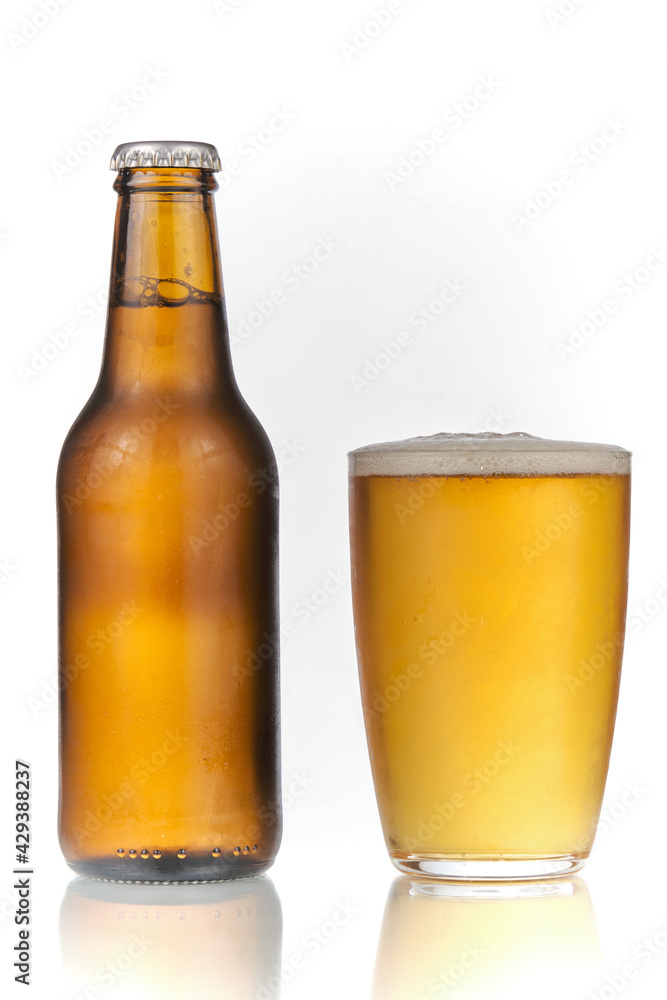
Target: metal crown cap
200,155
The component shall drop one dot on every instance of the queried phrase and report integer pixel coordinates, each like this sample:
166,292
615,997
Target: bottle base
488,868
193,870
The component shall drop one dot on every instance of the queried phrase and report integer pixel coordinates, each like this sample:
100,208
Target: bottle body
167,513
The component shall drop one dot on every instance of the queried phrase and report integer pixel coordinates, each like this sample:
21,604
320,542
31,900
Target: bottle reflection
221,940
478,941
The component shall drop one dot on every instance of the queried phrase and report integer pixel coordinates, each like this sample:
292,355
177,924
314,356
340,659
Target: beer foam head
487,454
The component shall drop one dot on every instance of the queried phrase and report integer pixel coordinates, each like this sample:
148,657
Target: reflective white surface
215,940
330,924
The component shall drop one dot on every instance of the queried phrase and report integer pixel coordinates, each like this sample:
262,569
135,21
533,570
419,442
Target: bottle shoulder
197,434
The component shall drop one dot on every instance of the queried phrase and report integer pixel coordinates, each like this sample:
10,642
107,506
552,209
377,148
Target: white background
354,98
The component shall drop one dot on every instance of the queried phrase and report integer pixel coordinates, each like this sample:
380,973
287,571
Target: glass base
168,870
471,868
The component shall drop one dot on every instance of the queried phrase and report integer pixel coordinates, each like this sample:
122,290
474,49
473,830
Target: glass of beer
489,578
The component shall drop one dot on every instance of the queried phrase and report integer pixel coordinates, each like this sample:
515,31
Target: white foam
487,454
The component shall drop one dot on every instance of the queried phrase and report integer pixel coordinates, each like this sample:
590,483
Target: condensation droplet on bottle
216,852
181,853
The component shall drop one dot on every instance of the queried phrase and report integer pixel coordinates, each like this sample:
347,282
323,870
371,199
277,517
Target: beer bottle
167,539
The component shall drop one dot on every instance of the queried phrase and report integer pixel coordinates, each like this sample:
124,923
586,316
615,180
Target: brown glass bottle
167,524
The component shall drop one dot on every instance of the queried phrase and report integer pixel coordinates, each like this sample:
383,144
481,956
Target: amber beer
167,514
489,587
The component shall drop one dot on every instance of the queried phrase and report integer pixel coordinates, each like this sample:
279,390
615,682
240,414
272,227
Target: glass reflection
473,941
221,940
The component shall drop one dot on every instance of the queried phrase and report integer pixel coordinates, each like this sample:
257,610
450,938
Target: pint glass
489,587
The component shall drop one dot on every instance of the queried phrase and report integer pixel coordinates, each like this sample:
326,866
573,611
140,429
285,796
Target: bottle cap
200,155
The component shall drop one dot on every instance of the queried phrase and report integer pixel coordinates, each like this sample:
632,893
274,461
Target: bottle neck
166,328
